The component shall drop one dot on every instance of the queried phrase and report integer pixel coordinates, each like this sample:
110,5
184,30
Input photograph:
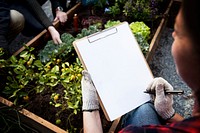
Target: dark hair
191,17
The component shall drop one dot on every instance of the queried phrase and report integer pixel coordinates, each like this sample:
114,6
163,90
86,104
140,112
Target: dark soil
39,105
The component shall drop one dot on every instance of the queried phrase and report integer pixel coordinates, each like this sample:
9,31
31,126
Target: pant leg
143,115
32,25
16,25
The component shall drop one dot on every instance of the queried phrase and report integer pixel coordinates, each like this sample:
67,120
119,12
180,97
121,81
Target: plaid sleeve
191,125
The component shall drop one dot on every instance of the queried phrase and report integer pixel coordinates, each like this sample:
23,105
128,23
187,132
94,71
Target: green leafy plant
111,23
87,31
140,30
114,10
27,76
63,50
70,77
21,73
144,45
141,10
142,33
71,97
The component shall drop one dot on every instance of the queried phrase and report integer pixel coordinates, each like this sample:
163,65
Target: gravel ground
162,65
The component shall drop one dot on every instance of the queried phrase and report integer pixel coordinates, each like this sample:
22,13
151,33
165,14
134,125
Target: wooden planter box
42,125
31,120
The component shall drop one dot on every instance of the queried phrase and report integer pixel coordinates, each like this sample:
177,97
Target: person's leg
16,25
32,25
143,115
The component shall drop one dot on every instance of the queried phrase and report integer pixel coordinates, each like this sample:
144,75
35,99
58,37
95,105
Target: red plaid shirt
190,125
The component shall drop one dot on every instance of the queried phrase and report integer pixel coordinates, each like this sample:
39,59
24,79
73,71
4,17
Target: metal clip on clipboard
103,34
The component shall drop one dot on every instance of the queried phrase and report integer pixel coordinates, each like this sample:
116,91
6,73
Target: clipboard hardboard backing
117,67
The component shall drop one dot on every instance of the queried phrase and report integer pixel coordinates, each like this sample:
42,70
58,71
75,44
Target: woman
186,54
35,18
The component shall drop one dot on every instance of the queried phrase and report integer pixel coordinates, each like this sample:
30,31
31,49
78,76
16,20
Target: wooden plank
44,35
31,119
155,41
153,45
114,125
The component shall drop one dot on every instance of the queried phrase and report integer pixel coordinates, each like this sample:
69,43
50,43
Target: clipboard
117,67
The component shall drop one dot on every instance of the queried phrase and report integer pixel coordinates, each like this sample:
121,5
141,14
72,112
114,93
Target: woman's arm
39,13
177,117
90,107
55,35
58,11
42,17
92,122
163,103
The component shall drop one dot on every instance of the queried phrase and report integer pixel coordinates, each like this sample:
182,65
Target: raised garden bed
15,119
46,111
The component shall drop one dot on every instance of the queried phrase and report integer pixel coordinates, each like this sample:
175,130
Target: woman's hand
55,35
89,94
61,16
90,107
163,103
